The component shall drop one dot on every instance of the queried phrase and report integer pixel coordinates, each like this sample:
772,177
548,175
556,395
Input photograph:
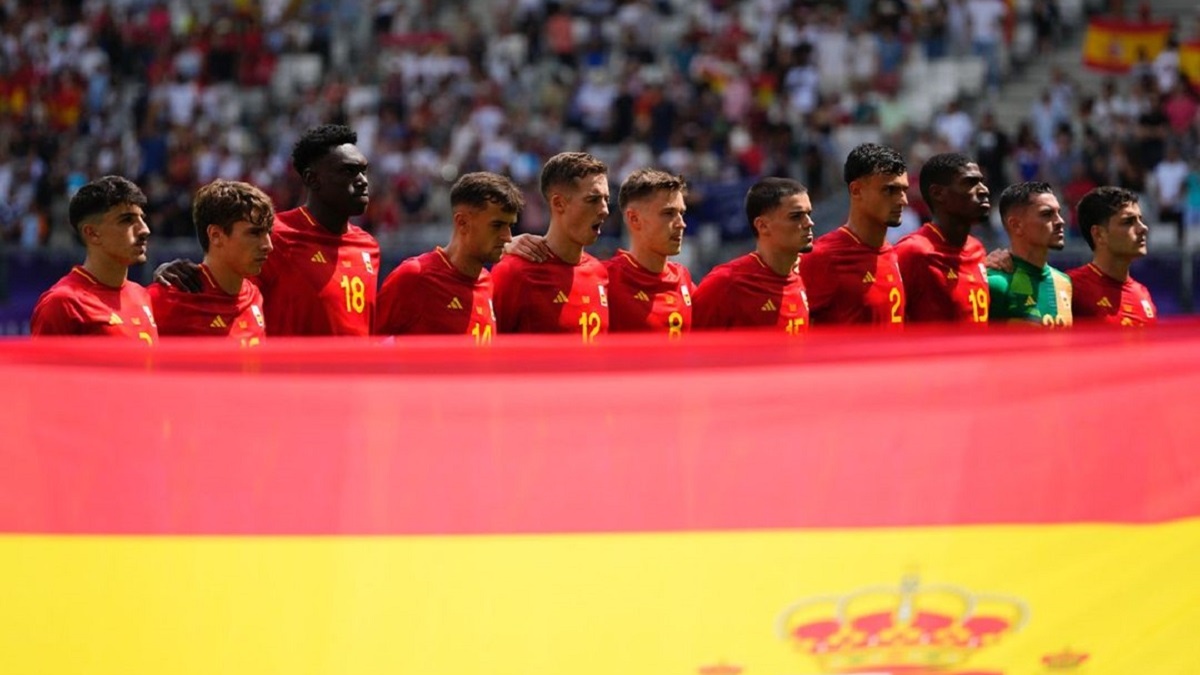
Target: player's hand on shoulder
1000,260
531,247
181,274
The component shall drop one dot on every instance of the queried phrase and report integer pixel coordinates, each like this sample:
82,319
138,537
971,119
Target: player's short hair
1021,194
225,202
941,169
1100,204
567,167
97,197
646,182
317,142
481,188
768,193
869,159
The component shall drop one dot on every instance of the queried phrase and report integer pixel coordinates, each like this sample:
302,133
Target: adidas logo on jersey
1104,303
951,275
318,257
769,306
115,320
218,322
560,299
1029,301
868,278
641,295
454,304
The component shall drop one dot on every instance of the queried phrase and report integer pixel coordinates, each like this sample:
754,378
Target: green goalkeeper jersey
1032,294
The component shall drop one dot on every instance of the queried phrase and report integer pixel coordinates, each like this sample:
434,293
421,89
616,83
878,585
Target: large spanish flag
1006,502
1189,61
1114,45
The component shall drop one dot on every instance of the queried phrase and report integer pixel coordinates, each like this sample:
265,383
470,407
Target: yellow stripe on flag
1121,599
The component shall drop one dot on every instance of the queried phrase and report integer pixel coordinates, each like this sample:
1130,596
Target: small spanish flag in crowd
1115,45
924,503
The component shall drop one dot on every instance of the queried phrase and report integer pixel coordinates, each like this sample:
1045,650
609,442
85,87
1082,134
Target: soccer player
941,263
565,293
322,277
763,289
448,290
97,298
233,224
646,291
1033,291
852,274
1111,221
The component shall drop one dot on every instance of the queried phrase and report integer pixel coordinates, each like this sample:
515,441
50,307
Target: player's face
585,208
245,249
967,197
121,234
487,231
881,198
1124,235
657,222
1042,223
339,180
789,226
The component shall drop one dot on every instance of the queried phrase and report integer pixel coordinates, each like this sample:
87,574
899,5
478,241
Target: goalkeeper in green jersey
1033,291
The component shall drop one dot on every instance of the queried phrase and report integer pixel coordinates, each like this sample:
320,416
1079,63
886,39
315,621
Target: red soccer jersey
745,293
316,282
851,283
1097,296
551,296
943,282
426,295
640,300
211,312
78,304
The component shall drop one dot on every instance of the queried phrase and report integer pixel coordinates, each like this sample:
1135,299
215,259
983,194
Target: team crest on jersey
1148,308
367,262
603,296
258,315
492,309
804,297
687,296
149,315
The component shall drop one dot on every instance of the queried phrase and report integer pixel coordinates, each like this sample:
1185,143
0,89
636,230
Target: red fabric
551,296
852,283
78,304
640,300
536,434
943,282
745,293
345,269
1097,296
212,312
426,295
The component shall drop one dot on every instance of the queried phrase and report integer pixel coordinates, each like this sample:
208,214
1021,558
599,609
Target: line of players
309,271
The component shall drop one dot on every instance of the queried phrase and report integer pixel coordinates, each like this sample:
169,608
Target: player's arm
912,275
56,315
180,273
160,304
399,304
998,290
999,259
819,282
710,302
506,296
531,247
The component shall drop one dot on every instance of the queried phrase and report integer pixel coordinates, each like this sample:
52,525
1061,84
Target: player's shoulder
1059,274
1079,274
723,273
356,236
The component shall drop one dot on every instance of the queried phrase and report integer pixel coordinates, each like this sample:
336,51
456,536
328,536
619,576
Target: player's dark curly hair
225,202
317,142
1100,204
768,193
941,170
869,159
480,188
1021,194
645,182
97,197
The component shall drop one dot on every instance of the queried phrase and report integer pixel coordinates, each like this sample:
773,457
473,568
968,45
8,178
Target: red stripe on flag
541,435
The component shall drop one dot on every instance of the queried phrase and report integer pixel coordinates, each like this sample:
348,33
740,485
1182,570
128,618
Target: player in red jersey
322,277
646,291
1110,219
941,263
763,289
448,290
852,274
97,298
566,293
233,224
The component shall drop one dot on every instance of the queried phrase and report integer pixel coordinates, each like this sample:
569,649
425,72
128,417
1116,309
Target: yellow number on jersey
795,326
482,334
356,294
675,325
589,322
897,300
979,305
